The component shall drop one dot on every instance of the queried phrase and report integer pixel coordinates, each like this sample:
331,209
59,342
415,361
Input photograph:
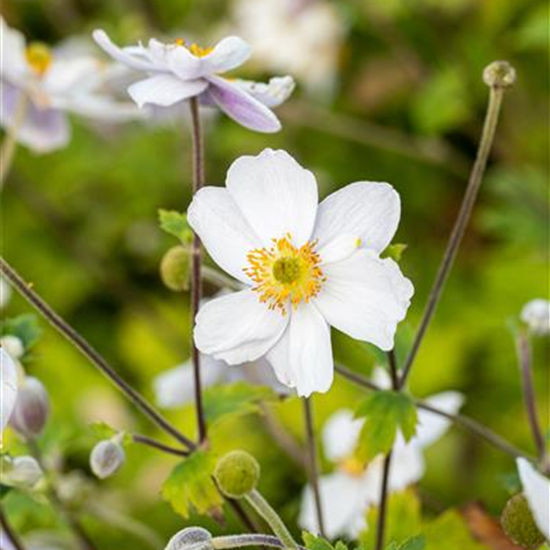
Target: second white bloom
306,267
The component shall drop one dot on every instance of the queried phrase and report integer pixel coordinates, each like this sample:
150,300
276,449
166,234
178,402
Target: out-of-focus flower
536,489
13,345
5,293
107,457
353,487
179,71
32,408
195,538
536,315
21,471
8,387
301,37
306,267
38,87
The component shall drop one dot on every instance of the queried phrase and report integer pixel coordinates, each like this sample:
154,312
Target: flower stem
89,352
9,531
9,146
313,466
149,441
491,119
196,256
238,541
525,366
258,502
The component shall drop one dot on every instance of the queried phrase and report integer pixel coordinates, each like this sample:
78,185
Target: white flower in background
13,345
5,292
306,267
39,86
348,492
8,387
301,37
536,315
536,489
179,71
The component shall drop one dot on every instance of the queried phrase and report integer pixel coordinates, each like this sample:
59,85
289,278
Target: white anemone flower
38,87
306,267
179,71
349,491
301,37
536,489
536,315
8,387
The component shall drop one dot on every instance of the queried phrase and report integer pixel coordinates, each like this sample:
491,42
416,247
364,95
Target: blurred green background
407,107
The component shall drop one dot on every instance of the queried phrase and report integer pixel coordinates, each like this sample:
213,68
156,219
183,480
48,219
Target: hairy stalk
258,502
525,367
313,465
476,176
238,541
150,442
9,532
465,422
89,352
7,152
196,256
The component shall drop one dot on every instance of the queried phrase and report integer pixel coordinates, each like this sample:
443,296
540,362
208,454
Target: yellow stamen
195,49
285,273
352,466
39,57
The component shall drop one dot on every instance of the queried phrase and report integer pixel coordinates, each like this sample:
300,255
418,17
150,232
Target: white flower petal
177,58
13,63
302,358
365,297
432,426
408,465
339,248
536,489
223,230
275,194
238,328
536,314
369,210
8,387
229,53
343,505
164,90
381,377
64,75
340,435
271,94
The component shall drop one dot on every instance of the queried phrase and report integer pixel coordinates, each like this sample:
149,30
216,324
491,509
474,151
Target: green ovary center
287,270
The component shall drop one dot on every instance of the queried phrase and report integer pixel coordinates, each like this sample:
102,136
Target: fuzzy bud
519,525
195,538
174,269
32,409
237,473
13,345
107,457
22,471
499,74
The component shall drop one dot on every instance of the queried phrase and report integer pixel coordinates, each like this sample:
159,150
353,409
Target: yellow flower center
352,466
285,273
195,49
39,57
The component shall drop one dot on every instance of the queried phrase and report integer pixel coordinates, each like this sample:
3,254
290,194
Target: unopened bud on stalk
519,525
191,538
499,74
237,474
32,408
22,471
13,345
174,269
107,457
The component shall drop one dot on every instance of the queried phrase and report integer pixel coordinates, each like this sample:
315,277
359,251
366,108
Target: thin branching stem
9,531
313,464
150,442
40,305
468,202
196,260
239,541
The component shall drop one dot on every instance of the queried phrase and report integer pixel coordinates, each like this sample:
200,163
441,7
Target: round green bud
519,525
499,74
237,473
174,269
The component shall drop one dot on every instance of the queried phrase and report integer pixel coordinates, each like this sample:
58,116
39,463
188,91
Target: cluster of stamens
39,57
195,49
285,274
352,466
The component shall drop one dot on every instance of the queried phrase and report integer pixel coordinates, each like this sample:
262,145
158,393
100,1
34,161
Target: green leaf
175,224
414,543
395,251
190,486
313,542
102,430
385,412
235,399
449,532
25,327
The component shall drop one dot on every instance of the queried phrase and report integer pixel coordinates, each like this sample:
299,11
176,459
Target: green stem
239,541
258,502
10,532
9,146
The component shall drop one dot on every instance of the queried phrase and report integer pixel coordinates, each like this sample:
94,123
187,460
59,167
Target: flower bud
196,538
22,471
174,269
32,408
536,315
237,473
107,457
519,525
499,74
13,345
